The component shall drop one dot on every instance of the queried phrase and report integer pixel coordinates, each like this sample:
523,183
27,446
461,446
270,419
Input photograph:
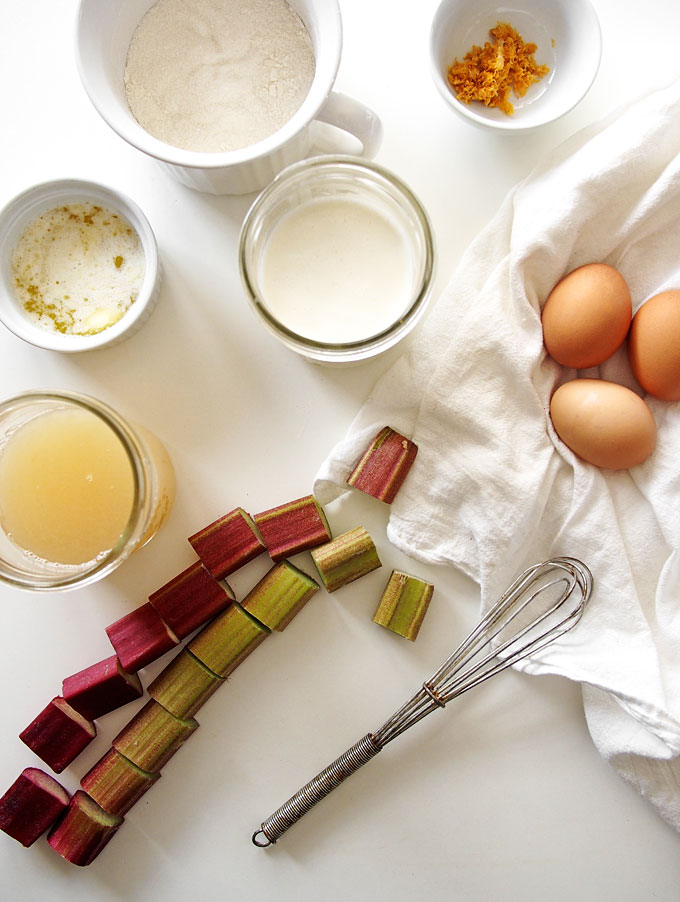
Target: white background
500,796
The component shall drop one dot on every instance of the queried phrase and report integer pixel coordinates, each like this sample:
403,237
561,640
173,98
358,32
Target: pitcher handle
348,114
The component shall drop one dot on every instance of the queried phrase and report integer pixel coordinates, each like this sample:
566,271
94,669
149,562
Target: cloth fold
493,489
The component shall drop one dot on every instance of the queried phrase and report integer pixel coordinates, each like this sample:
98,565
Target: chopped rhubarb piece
184,685
228,640
101,688
281,593
384,465
153,736
227,544
140,637
190,599
116,784
346,558
32,804
404,604
293,527
83,831
58,734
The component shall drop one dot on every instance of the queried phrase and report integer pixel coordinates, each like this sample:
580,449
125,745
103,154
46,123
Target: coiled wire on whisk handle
487,650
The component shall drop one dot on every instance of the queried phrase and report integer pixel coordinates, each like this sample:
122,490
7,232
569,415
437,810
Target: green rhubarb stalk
116,784
153,736
227,641
184,685
404,604
384,465
346,558
281,594
293,527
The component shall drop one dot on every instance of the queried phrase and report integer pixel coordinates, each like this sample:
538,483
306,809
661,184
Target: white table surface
503,795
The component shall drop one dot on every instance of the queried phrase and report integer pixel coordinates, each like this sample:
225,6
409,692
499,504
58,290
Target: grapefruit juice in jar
80,489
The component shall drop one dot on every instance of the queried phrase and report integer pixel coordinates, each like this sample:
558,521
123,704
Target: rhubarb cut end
153,736
140,637
84,830
226,642
190,599
346,558
227,544
280,595
31,804
184,686
58,734
117,784
294,527
101,688
403,604
384,465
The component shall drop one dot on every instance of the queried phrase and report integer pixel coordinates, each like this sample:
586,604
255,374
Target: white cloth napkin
494,490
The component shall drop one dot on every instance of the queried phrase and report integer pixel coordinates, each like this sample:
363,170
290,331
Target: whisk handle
318,788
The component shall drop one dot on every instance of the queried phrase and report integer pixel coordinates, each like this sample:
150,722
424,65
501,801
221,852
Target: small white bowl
569,41
23,210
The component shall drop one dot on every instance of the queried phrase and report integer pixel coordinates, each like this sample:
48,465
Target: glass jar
313,235
141,472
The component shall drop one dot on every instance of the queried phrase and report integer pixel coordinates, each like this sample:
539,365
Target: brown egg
587,315
604,423
654,346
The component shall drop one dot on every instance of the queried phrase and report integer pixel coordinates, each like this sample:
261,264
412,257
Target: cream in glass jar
337,259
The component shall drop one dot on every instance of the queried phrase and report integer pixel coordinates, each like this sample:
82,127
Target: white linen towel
493,489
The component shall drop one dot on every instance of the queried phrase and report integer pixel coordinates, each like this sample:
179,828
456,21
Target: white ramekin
569,41
25,208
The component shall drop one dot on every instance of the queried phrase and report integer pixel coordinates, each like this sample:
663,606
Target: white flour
217,75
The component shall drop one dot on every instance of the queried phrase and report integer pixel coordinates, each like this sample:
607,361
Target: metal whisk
542,604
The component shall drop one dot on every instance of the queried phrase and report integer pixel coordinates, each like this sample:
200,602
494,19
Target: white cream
336,270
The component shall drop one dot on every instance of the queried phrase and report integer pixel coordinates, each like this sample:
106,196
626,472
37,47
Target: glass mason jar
358,259
42,433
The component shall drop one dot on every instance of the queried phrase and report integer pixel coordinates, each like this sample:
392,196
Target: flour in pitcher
218,75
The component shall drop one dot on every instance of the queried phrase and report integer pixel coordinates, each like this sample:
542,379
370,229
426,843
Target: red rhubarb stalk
228,543
58,734
32,804
293,527
384,465
190,599
140,637
101,688
83,831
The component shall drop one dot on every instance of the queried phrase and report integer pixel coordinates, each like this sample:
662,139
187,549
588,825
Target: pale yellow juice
66,486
